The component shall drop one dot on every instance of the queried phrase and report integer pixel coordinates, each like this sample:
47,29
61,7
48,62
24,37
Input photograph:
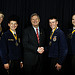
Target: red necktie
37,34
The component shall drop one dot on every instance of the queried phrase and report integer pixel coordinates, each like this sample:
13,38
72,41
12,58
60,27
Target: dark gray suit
32,59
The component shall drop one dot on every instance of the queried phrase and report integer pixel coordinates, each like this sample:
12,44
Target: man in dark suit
57,47
33,43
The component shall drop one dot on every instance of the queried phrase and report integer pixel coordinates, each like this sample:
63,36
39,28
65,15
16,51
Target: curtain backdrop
63,9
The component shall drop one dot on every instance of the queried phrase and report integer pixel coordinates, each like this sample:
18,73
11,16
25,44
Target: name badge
10,39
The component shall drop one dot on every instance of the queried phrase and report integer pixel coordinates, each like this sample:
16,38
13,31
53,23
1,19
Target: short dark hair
53,17
13,18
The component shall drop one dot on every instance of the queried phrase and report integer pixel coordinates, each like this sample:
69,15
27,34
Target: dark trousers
2,70
36,69
52,69
68,64
73,63
14,68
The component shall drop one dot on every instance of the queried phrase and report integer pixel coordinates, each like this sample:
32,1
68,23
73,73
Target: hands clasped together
40,50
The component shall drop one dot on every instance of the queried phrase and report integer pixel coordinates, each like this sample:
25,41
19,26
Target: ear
57,22
17,24
9,24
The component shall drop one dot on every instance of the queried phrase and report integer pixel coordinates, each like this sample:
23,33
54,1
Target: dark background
63,9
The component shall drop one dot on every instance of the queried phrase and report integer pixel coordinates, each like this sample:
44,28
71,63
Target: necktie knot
15,35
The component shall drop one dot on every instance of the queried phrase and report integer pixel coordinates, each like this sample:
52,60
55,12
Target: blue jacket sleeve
4,49
63,48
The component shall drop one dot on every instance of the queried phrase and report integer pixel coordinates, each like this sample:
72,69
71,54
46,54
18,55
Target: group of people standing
27,51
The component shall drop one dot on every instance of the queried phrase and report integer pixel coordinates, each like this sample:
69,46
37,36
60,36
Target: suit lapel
34,35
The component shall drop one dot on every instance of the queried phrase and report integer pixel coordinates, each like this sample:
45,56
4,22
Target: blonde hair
2,14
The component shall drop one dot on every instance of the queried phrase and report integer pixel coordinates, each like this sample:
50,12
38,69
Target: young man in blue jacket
57,47
70,61
11,48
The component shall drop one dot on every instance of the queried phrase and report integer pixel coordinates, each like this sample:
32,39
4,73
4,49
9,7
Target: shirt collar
35,28
56,29
13,32
73,28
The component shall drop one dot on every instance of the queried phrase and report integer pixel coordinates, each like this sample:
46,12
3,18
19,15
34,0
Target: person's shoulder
7,32
60,31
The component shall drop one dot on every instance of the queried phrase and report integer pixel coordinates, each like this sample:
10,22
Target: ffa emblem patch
54,38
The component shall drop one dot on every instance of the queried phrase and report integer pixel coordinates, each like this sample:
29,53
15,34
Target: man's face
1,18
73,20
35,21
53,23
13,25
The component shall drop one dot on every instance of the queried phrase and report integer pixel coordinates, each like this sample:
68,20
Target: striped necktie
15,35
37,34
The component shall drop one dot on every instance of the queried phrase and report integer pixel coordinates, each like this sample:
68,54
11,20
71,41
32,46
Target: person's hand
21,64
58,66
40,50
6,66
